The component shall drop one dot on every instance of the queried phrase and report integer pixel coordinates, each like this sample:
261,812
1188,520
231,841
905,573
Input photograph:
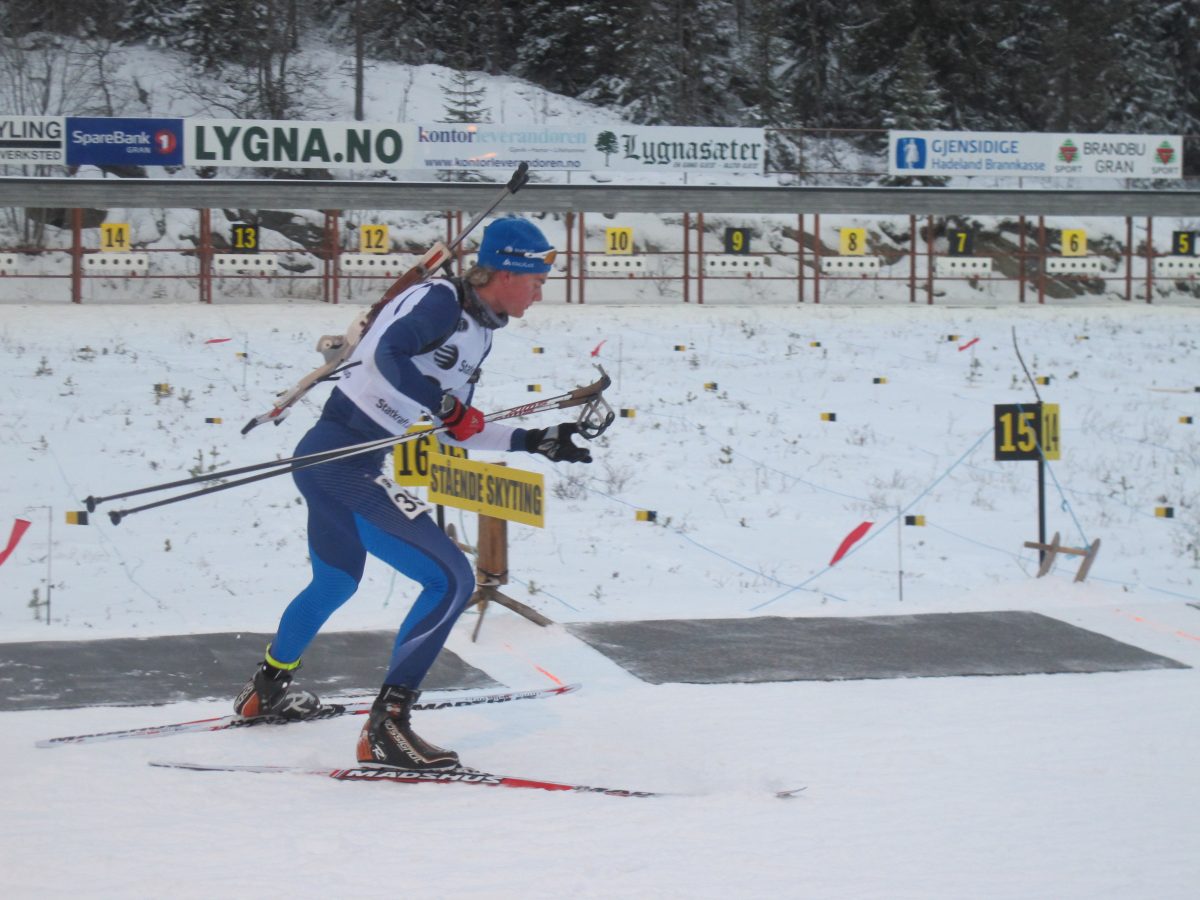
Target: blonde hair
478,276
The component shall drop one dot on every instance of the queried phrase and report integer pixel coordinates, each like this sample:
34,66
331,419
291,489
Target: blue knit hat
516,245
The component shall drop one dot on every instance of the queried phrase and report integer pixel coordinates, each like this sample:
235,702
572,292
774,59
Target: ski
330,711
458,775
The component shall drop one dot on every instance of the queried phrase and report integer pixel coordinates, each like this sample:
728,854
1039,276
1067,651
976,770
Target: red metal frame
575,254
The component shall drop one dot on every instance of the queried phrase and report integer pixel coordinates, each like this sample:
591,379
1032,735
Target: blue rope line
692,541
462,526
541,590
1065,503
857,547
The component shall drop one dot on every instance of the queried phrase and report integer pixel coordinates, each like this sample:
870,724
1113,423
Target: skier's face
512,293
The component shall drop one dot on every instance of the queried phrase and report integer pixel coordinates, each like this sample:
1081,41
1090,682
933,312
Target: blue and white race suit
423,344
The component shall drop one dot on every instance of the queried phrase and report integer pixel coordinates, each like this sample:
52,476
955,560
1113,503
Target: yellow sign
489,489
618,240
1051,443
373,239
114,237
1027,431
852,241
410,460
244,237
1074,242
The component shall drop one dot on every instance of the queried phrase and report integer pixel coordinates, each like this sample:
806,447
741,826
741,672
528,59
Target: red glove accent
463,421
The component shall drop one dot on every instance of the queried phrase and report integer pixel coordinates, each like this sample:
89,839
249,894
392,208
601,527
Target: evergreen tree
463,99
912,98
565,47
679,71
815,74
961,46
1074,83
152,22
759,66
1146,94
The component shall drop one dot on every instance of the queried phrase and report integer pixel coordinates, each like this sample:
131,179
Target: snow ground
1065,786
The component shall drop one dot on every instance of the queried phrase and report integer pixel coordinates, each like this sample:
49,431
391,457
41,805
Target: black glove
555,443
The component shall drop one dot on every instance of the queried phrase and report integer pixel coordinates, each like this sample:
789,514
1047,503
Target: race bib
409,504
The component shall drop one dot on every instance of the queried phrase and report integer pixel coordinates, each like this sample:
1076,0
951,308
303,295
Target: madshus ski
330,711
459,775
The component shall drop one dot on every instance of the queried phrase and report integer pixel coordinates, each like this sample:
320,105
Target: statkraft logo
912,153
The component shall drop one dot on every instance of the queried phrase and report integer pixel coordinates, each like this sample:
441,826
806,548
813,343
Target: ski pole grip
519,178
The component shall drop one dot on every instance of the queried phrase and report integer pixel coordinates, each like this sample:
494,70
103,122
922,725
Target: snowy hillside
752,488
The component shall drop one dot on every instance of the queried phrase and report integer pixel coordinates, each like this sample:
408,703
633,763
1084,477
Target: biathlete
421,355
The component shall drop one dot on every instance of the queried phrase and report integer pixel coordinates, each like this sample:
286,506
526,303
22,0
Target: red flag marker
217,340
970,343
596,349
18,531
849,540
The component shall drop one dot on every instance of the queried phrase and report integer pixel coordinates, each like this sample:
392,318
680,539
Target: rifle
336,348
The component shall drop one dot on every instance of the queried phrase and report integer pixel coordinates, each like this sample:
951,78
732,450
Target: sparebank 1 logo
1067,151
1165,153
911,153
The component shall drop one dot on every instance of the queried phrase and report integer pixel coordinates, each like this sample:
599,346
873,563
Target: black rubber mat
144,671
718,651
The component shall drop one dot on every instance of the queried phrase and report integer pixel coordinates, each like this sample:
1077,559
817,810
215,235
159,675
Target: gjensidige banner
944,153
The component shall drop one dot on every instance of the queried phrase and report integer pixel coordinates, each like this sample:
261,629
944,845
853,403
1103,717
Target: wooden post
330,274
582,257
204,255
491,571
912,259
816,257
1050,552
929,260
569,251
687,257
76,255
1021,263
800,255
1149,259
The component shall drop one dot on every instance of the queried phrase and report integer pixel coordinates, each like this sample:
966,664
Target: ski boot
387,738
269,693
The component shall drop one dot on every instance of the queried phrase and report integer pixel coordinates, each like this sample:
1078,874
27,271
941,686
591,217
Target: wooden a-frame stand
491,571
1050,552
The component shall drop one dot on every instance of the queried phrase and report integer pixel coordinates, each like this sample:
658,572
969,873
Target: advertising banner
300,145
124,142
943,153
633,148
590,148
465,146
32,139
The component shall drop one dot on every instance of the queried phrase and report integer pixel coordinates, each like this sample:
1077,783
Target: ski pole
594,419
579,395
297,464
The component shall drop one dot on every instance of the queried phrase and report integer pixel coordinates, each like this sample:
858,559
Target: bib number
409,504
